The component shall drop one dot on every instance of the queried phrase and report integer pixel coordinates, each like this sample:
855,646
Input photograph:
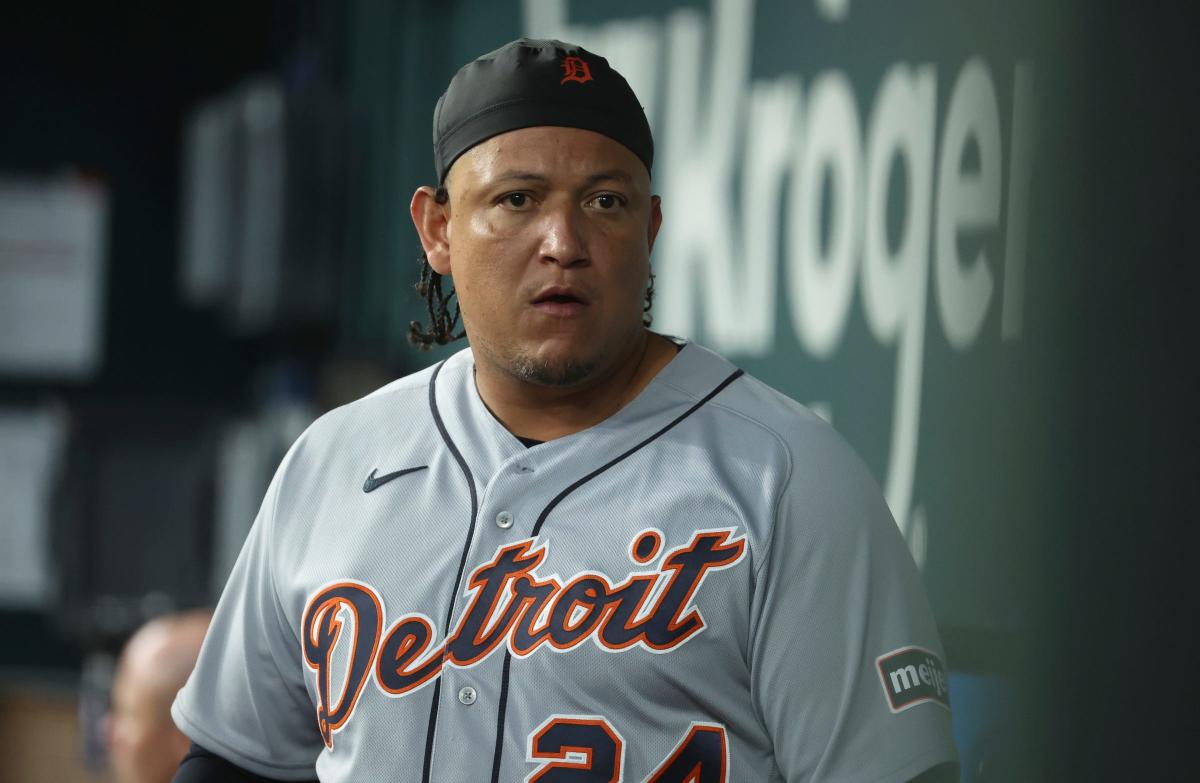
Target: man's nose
564,240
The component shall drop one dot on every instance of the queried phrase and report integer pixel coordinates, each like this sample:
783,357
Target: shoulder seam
777,505
685,392
787,477
787,452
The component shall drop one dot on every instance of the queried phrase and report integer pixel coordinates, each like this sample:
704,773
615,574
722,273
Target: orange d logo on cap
575,69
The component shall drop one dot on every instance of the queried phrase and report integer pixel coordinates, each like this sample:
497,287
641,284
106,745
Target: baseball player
576,550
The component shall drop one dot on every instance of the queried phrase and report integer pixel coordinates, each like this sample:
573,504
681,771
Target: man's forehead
548,153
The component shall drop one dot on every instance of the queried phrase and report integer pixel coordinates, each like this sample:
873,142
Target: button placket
503,497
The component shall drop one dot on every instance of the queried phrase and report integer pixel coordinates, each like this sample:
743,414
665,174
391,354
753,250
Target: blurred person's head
143,743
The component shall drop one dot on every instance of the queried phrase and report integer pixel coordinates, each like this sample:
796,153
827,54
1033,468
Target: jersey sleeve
246,699
838,609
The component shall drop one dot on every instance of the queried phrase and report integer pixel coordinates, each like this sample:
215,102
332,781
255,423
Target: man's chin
559,372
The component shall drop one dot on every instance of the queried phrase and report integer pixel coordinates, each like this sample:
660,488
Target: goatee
548,373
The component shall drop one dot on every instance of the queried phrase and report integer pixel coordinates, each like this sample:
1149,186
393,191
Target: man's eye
517,200
607,201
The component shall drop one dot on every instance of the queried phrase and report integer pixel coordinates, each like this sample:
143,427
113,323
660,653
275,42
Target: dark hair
437,302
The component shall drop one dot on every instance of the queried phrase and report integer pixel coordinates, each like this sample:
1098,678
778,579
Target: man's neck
547,412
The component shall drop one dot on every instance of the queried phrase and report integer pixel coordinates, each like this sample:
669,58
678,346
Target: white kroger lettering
967,202
822,282
894,283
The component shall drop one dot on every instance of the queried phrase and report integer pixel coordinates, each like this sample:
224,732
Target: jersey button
504,520
467,695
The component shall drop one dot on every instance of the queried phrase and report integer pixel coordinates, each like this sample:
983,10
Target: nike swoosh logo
374,482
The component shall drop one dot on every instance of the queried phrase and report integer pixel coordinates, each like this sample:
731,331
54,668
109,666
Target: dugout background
1034,432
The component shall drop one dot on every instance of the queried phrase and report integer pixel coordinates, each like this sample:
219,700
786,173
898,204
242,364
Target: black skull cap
532,82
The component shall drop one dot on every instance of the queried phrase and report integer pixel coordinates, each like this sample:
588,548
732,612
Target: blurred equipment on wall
132,517
31,443
263,224
53,255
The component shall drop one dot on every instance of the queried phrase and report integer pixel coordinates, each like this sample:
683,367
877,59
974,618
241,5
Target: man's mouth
560,302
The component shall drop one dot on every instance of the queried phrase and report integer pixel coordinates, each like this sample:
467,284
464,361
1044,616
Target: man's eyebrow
529,176
520,175
618,174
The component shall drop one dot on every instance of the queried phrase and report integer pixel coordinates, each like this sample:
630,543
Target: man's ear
655,220
432,221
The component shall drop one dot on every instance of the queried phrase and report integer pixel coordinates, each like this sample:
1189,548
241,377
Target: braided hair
438,302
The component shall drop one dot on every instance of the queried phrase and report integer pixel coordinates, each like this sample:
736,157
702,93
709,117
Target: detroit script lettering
509,606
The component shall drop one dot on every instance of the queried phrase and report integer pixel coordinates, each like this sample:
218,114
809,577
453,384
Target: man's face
548,240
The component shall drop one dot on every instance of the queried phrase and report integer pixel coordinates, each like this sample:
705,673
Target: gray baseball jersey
705,587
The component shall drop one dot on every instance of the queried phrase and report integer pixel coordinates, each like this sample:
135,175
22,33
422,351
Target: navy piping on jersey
538,526
462,563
